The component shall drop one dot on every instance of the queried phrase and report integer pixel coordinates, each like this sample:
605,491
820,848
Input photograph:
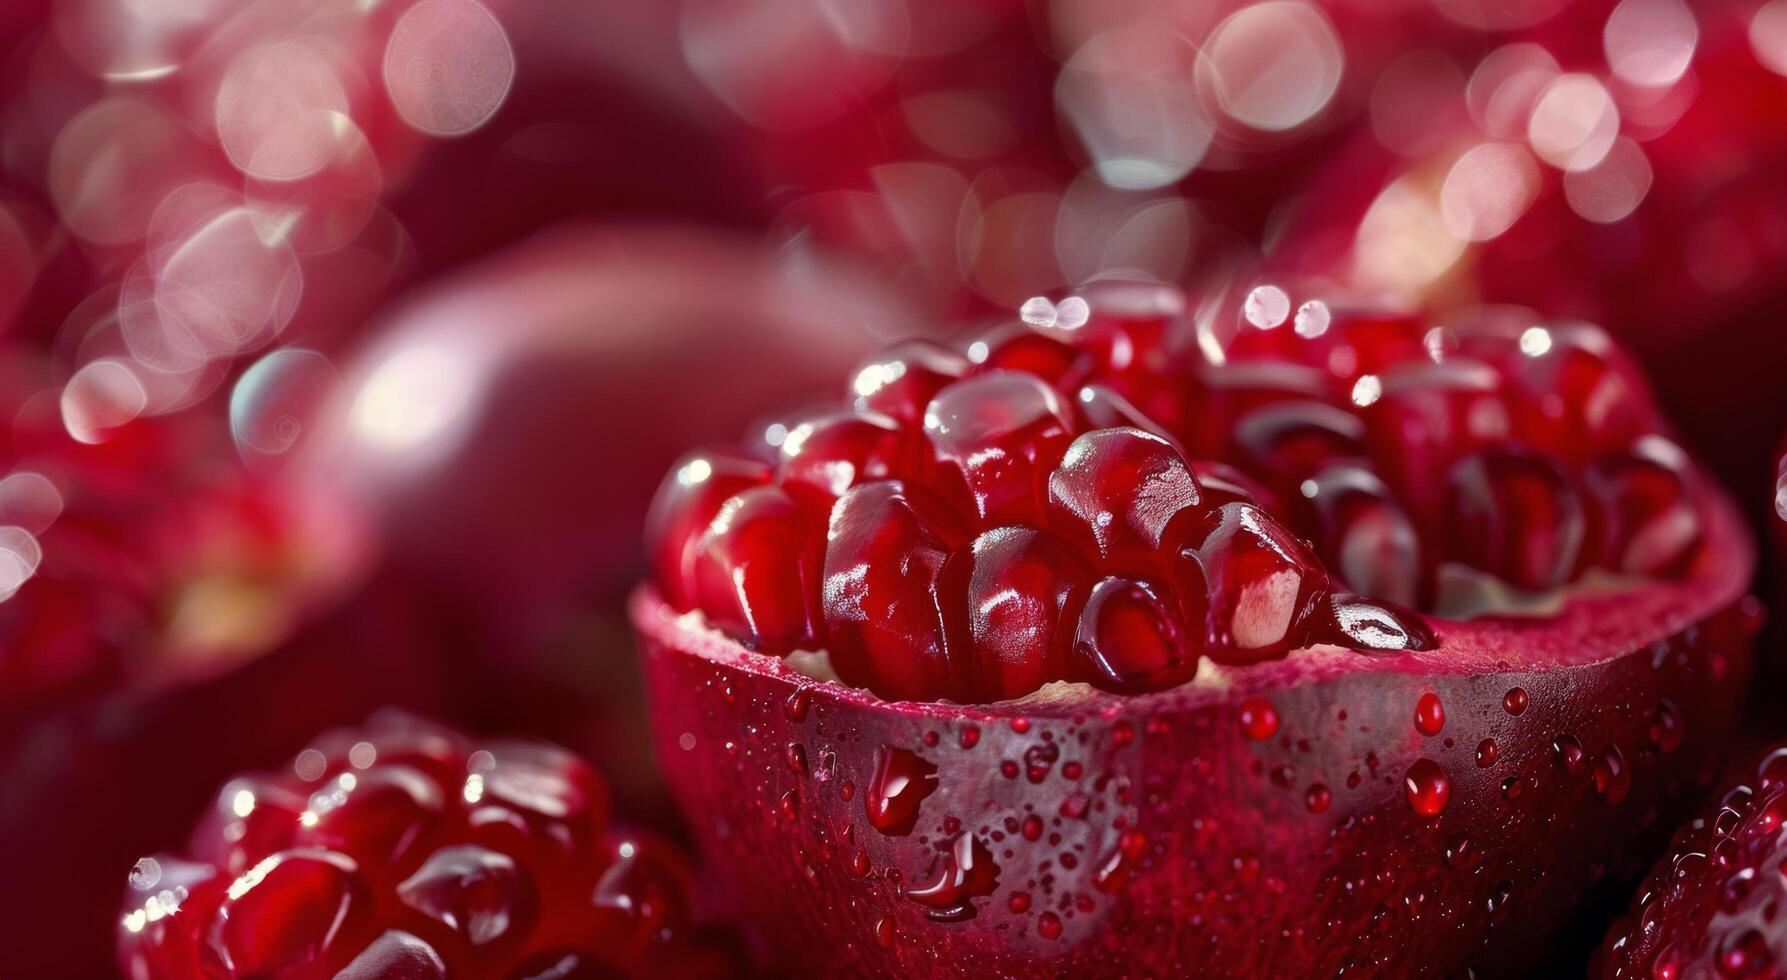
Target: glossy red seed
1362,532
1020,349
822,457
1219,484
376,817
1643,515
1261,585
1576,393
756,571
1024,588
1283,444
396,955
1117,492
685,504
900,380
1515,516
1101,407
1420,417
297,912
1240,387
1132,637
1427,787
168,908
1364,623
643,894
994,438
251,818
481,896
891,620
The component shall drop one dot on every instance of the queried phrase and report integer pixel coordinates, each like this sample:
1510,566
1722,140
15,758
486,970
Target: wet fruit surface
1156,689
406,849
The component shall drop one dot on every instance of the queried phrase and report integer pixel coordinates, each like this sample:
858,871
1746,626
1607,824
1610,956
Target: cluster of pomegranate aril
1711,906
1111,503
407,849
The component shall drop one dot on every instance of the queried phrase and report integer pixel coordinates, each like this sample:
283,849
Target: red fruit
756,571
1705,909
1024,590
1133,637
1261,584
995,437
691,494
1403,813
1117,492
1021,349
823,457
1642,506
900,380
419,854
890,621
1515,516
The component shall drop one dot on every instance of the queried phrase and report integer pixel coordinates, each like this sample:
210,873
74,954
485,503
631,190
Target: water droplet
790,805
1318,798
1072,313
1019,902
1613,779
1048,925
1037,311
1312,319
1427,787
1514,702
1486,753
1266,307
1570,756
1430,714
1666,726
901,782
796,704
968,872
1258,719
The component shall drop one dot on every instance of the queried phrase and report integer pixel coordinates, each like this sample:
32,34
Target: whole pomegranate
1296,639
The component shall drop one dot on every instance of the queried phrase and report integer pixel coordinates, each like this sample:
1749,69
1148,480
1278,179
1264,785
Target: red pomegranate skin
1292,818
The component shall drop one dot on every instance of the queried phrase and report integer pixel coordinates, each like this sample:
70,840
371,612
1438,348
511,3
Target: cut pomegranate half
1152,709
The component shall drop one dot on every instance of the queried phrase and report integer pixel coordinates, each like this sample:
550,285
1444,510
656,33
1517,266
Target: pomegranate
406,849
1348,654
1711,905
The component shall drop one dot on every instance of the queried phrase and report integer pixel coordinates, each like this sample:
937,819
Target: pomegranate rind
1160,834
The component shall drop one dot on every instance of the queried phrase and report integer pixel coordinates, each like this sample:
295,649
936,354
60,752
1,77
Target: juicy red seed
889,611
1577,394
756,571
1241,387
1372,624
901,379
1363,533
823,457
1219,484
1426,415
1427,787
1100,407
1286,442
293,911
1023,585
1132,637
1644,518
994,438
1261,585
253,817
423,854
1117,491
375,817
479,895
685,504
396,954
1021,349
1515,516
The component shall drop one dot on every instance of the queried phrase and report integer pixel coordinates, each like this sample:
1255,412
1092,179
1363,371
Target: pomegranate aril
296,912
1101,407
396,955
1219,484
756,571
685,504
1117,492
823,457
1365,623
167,915
252,817
1644,519
1132,637
376,817
1261,584
642,895
902,378
1241,387
1362,532
1282,444
1421,417
1516,516
1024,587
1022,350
475,896
994,437
1576,394
891,619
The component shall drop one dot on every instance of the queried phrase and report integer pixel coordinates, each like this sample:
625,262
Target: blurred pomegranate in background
505,429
